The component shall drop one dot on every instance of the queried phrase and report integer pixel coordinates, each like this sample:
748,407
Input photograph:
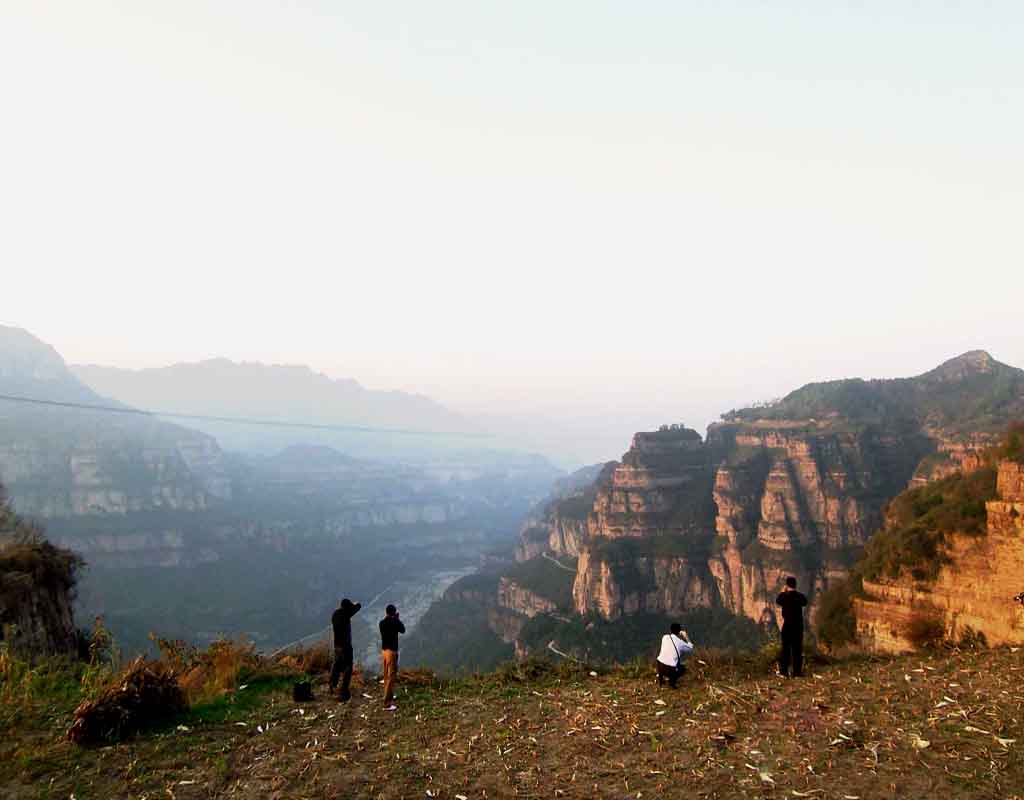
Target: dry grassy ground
948,724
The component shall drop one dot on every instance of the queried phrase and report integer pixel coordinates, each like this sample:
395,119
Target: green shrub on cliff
918,521
1012,448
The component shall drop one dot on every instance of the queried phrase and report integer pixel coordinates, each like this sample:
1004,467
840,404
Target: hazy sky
666,208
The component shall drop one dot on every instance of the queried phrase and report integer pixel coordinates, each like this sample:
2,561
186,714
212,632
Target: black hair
390,610
791,582
675,628
345,602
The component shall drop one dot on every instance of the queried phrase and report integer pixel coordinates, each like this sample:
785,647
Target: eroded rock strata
794,488
973,592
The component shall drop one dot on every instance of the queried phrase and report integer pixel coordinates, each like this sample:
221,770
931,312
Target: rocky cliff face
722,523
78,477
60,461
36,585
974,591
521,600
35,617
560,525
794,488
614,586
180,540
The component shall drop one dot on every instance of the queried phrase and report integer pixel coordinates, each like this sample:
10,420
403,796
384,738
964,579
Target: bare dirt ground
947,724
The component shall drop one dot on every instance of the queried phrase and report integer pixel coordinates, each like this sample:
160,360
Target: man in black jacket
390,627
341,621
792,603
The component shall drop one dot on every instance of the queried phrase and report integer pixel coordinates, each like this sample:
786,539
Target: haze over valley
190,540
627,363
202,527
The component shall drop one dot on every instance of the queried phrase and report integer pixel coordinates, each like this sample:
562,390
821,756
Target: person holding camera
675,646
341,622
390,627
793,603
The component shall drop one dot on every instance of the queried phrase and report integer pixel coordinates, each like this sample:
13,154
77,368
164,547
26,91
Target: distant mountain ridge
64,461
972,391
30,367
221,386
288,393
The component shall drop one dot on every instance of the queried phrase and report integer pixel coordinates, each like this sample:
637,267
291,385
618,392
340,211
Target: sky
582,210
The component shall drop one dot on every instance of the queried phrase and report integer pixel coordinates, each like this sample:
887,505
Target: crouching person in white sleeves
675,646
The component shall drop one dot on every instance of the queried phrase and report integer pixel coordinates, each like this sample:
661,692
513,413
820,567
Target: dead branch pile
145,693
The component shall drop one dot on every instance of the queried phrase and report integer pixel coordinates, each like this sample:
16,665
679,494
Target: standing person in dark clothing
341,621
390,627
792,603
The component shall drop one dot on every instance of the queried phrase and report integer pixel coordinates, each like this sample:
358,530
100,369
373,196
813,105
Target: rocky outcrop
723,522
1009,487
505,623
561,525
660,487
35,617
177,540
794,488
37,582
521,600
973,592
952,455
73,480
614,586
559,534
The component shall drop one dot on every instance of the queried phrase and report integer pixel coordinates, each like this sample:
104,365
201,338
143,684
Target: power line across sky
240,420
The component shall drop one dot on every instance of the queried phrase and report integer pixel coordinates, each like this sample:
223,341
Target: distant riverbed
412,597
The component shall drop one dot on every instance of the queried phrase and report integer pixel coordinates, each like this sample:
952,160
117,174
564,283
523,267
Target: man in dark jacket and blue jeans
792,603
341,622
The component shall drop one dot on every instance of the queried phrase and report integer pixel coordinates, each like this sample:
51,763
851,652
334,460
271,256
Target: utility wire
324,631
240,420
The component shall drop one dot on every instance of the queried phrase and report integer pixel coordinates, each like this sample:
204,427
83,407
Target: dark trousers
342,666
670,674
792,650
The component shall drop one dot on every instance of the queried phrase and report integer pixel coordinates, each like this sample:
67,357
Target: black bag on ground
302,691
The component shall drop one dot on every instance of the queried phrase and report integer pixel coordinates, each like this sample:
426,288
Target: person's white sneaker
391,707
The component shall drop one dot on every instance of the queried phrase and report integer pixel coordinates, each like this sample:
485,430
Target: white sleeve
684,647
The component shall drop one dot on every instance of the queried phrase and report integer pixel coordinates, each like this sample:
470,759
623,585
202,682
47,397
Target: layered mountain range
60,461
795,487
228,389
189,540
